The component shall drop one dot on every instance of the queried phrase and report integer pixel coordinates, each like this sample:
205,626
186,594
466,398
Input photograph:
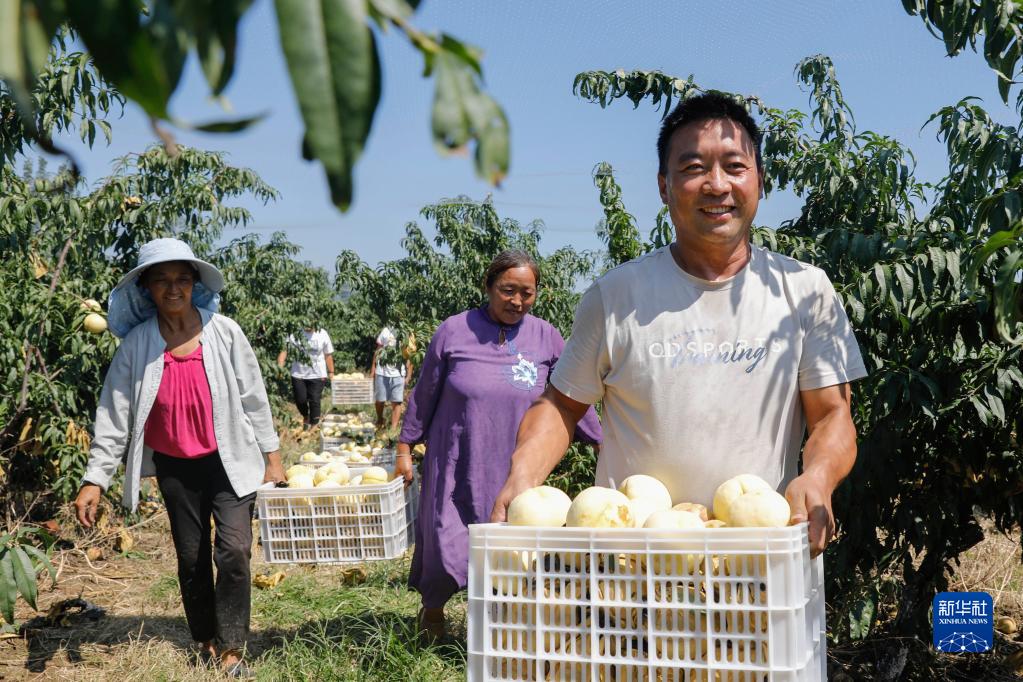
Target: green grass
165,589
317,628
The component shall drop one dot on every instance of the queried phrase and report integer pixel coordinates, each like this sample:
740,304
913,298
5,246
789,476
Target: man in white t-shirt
389,371
308,379
712,356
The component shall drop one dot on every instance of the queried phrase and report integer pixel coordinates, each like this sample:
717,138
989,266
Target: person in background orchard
389,370
308,380
184,400
482,370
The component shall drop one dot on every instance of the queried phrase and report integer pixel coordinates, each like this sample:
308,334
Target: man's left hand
809,498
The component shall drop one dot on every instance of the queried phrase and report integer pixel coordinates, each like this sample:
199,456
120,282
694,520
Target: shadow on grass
45,642
372,632
370,635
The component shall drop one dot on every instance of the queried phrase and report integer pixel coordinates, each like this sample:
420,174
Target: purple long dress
471,395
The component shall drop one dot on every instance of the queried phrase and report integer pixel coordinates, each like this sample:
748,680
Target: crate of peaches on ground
336,514
357,457
623,585
351,388
341,429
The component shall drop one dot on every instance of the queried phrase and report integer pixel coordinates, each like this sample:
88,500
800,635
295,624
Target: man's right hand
512,488
87,503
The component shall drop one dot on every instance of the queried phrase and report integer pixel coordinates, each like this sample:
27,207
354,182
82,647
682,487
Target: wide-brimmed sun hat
130,304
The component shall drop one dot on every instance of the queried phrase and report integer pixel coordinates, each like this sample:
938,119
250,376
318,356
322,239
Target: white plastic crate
347,524
333,443
385,458
650,605
351,391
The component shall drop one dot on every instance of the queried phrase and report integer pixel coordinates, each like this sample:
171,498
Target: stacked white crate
351,434
384,457
351,391
337,525
637,605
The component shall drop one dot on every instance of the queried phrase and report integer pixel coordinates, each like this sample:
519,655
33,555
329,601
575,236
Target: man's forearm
543,437
830,451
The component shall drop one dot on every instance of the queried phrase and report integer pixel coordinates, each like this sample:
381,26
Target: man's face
711,184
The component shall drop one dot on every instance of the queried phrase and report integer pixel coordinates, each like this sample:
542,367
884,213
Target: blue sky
893,72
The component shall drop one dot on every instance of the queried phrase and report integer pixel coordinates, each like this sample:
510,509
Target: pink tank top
181,421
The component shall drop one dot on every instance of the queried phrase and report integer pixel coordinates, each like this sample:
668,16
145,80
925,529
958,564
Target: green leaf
469,54
857,311
42,560
493,148
335,71
215,30
394,10
24,46
982,411
998,240
144,62
905,282
24,575
462,112
882,273
8,587
861,617
229,126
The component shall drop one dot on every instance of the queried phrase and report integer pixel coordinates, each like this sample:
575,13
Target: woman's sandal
238,670
204,658
431,628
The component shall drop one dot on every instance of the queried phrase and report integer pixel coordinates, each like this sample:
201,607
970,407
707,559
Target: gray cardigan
242,422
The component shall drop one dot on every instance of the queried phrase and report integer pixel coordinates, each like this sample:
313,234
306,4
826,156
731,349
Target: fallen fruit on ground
264,582
123,542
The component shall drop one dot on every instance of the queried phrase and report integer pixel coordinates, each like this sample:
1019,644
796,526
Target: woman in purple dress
483,369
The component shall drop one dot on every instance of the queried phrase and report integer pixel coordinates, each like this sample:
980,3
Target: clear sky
893,72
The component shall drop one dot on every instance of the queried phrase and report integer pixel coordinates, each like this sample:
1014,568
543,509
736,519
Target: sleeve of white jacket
114,420
252,391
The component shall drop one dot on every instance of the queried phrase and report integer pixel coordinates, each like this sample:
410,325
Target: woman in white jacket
184,400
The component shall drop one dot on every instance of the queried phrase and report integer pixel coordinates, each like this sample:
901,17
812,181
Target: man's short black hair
708,106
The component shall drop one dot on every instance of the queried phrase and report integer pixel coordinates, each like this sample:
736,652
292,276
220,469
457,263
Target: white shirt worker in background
309,379
390,369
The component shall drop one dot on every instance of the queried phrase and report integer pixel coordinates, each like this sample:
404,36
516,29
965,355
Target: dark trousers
308,394
193,491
